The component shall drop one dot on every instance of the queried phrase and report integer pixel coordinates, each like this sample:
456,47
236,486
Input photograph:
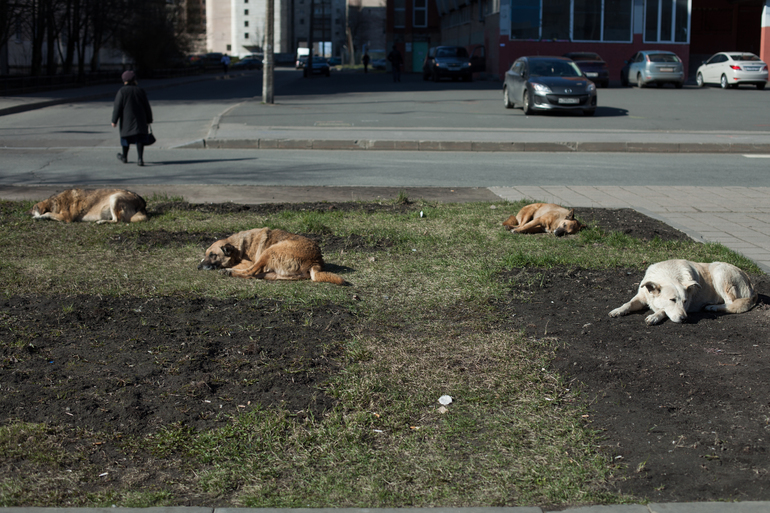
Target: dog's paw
617,312
655,318
226,272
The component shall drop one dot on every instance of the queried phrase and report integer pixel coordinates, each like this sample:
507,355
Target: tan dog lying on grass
100,205
544,217
673,288
268,254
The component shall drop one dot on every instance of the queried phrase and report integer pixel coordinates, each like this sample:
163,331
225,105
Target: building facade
615,29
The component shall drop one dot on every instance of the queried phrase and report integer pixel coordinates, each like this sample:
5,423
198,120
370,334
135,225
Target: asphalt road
74,143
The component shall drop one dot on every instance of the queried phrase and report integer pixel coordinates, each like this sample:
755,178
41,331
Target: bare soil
684,410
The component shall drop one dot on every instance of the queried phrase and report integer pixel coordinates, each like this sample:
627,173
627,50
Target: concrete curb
474,146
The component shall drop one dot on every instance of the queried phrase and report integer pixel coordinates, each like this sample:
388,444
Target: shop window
420,13
667,21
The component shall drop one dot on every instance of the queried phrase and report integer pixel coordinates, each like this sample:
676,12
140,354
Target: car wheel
761,86
699,80
435,76
639,81
526,103
624,80
723,82
679,85
468,77
507,99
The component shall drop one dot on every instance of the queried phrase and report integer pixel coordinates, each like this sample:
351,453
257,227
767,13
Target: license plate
667,70
752,68
592,74
569,100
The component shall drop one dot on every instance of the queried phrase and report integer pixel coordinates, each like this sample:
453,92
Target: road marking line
757,156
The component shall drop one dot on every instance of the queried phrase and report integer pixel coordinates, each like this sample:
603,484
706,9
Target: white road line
757,156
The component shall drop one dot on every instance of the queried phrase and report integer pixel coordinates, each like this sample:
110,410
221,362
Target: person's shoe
140,163
121,158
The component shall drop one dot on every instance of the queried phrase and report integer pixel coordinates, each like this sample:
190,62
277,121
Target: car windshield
554,69
663,57
744,57
584,57
452,52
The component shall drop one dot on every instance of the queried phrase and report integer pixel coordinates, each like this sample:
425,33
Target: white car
731,69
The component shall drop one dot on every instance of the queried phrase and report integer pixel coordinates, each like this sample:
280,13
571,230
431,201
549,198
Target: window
399,13
246,23
245,12
420,13
556,19
575,20
525,19
667,21
246,35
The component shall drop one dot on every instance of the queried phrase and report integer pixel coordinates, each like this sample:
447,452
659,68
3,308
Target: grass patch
426,327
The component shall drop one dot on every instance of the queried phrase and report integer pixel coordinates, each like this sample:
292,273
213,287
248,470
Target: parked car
248,64
541,83
320,67
334,61
381,64
731,69
447,61
657,67
593,66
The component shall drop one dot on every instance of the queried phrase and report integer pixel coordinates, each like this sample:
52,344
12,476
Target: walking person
396,62
365,60
132,110
225,62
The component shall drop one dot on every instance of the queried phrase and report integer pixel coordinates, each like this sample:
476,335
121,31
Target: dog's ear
690,285
228,249
652,288
571,215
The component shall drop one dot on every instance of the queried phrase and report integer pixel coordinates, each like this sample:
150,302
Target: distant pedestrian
132,110
225,62
396,62
365,59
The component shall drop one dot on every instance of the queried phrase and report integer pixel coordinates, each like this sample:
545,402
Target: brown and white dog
674,288
100,205
268,254
544,217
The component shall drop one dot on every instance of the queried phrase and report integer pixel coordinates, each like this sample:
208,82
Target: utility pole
267,65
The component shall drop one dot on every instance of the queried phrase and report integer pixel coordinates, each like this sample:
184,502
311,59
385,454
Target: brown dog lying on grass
268,254
544,217
100,205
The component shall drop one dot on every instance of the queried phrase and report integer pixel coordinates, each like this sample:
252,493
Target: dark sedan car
548,84
248,64
593,66
447,62
320,67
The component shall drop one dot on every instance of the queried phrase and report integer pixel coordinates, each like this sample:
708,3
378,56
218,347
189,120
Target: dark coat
133,111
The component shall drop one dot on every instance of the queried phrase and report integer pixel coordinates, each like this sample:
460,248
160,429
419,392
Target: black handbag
149,139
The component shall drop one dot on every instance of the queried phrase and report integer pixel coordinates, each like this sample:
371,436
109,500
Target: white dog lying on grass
673,288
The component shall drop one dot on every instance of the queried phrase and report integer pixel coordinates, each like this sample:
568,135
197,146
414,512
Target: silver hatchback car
657,67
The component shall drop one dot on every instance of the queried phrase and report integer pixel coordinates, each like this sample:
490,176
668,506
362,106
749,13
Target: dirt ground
684,409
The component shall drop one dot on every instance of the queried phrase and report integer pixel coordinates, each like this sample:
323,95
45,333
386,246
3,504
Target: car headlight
540,88
591,87
466,64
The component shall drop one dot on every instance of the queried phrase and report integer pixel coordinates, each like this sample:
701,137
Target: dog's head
674,298
220,255
511,223
568,225
41,208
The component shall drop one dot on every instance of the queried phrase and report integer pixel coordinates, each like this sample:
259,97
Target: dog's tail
317,274
742,305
